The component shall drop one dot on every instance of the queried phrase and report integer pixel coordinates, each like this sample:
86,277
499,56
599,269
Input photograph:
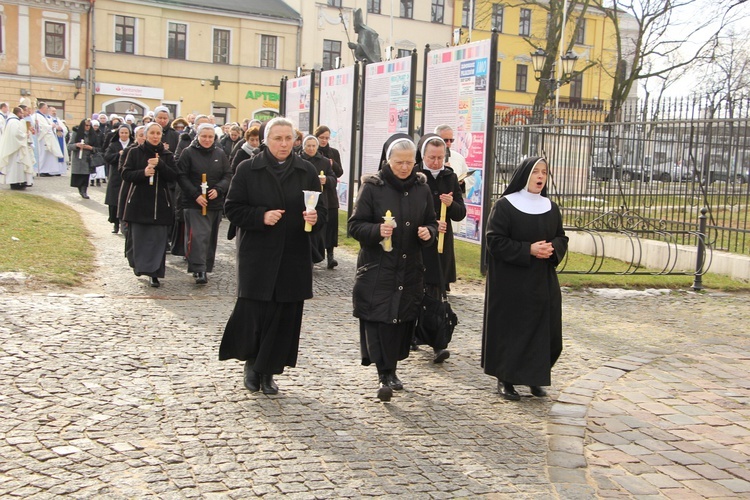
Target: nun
393,219
522,330
148,211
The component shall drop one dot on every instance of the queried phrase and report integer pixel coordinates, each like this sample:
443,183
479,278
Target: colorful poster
457,94
386,107
298,102
337,113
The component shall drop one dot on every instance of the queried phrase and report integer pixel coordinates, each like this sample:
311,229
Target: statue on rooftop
367,46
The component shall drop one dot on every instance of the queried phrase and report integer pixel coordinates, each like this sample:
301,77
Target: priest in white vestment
48,147
16,160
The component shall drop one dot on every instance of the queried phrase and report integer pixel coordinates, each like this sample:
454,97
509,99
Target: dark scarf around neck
400,185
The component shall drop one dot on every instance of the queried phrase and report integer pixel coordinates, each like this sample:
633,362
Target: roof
275,9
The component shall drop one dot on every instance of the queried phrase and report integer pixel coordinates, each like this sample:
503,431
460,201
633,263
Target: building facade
224,57
43,54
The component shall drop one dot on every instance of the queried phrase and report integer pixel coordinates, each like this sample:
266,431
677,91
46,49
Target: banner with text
298,102
457,94
337,94
387,107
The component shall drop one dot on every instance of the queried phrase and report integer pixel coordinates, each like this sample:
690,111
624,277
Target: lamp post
568,61
78,82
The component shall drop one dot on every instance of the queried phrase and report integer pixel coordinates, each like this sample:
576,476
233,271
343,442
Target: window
438,11
497,17
125,34
403,53
576,88
177,41
466,14
54,39
267,51
522,73
524,26
497,75
581,32
373,6
221,46
407,9
334,3
331,50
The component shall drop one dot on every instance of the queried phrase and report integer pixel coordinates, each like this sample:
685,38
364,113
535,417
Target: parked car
671,172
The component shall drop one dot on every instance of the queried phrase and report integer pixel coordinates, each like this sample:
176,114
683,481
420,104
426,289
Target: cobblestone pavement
114,390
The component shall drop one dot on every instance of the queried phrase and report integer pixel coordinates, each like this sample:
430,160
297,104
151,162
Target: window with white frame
221,46
268,47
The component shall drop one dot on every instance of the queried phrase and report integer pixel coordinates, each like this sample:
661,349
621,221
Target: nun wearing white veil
522,331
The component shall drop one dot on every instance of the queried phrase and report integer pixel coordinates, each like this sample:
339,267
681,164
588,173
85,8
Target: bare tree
727,71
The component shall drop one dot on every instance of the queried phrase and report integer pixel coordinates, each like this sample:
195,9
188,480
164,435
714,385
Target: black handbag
436,320
96,159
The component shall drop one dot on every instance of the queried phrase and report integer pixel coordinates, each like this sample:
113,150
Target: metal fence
648,168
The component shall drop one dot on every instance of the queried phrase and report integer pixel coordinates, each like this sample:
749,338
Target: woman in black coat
274,267
446,190
246,149
203,157
139,137
112,156
328,182
389,285
149,168
323,134
85,142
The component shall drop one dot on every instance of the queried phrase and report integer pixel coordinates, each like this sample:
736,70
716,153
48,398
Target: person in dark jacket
203,157
327,182
139,137
246,149
149,168
522,330
170,137
323,134
112,156
230,139
393,219
85,142
446,190
274,267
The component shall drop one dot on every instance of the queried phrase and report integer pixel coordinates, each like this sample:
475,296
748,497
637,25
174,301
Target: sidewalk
114,390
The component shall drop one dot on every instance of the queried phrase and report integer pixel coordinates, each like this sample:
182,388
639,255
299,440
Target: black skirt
79,180
384,344
264,331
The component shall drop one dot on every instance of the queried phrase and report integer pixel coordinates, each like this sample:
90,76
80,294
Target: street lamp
568,61
78,82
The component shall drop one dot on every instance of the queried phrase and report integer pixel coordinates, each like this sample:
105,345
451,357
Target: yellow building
42,53
169,52
522,27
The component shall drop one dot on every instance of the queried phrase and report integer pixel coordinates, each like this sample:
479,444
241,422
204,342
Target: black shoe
201,279
251,379
441,355
267,385
393,381
385,392
104,181
508,391
154,282
91,183
83,193
331,261
98,183
116,229
414,346
537,391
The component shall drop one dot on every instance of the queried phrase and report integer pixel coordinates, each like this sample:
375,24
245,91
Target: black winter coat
331,191
239,156
444,183
114,181
171,137
273,262
125,187
321,163
196,161
389,286
146,203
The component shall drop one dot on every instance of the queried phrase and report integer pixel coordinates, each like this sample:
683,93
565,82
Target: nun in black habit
522,331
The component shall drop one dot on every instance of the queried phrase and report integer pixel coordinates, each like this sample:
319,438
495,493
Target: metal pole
698,282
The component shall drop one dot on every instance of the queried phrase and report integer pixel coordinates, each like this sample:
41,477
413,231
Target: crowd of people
171,182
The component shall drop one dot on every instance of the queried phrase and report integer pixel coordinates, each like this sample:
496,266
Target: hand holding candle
80,151
322,178
388,220
152,163
311,199
204,191
441,234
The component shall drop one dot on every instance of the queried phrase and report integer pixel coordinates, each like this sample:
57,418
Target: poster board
337,101
298,98
388,106
459,85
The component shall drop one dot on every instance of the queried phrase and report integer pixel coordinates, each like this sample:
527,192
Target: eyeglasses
448,140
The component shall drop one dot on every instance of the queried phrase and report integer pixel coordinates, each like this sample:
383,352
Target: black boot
537,391
385,392
91,183
116,229
441,355
267,385
393,381
252,382
83,191
507,391
331,261
98,183
201,278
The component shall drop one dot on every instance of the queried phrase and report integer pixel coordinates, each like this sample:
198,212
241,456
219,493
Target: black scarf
400,185
152,150
280,170
325,150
